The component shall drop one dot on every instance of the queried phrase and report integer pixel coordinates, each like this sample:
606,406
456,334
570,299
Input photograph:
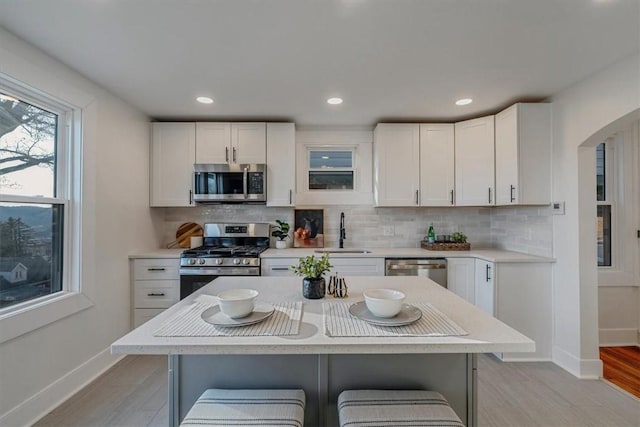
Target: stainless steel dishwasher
433,268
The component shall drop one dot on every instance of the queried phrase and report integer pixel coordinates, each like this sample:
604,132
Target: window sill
22,321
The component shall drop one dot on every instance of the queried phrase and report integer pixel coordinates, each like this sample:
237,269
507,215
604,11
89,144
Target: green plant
459,237
280,231
312,267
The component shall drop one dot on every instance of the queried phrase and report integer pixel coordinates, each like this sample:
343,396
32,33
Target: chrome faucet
343,234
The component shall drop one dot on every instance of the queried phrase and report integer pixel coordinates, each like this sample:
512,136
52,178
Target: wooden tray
445,246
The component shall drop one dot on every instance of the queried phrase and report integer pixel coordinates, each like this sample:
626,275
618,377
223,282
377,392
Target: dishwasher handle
406,264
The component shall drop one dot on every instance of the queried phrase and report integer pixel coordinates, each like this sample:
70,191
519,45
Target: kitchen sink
342,251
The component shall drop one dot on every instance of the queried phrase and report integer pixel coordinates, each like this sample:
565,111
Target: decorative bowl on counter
383,302
236,303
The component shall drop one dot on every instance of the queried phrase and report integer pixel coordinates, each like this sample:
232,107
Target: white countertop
486,333
493,255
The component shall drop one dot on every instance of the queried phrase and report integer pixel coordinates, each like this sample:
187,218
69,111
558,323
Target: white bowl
236,303
383,302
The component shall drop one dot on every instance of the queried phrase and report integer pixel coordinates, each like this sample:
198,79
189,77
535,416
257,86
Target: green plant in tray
459,237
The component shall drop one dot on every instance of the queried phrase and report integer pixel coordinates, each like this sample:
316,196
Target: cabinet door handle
417,195
489,195
279,268
154,294
488,269
226,154
190,197
290,197
513,198
234,154
156,269
452,197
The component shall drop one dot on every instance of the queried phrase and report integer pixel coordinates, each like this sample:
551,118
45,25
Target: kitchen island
324,365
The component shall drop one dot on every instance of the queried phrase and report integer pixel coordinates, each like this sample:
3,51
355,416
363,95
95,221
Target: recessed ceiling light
334,101
325,157
7,98
464,101
204,100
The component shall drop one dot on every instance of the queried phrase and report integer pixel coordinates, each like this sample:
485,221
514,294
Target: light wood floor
133,393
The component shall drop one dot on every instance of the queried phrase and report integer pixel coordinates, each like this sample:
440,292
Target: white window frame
357,140
623,172
29,315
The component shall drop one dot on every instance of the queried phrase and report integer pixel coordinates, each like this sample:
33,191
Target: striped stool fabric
369,408
220,407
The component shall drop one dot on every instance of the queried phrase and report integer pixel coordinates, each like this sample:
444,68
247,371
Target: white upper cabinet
173,149
474,162
396,163
437,165
233,143
523,155
281,171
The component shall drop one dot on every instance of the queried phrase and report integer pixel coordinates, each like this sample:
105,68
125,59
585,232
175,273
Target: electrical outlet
388,230
557,208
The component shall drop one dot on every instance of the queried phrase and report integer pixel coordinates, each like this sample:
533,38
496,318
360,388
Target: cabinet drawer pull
513,199
154,294
156,269
279,268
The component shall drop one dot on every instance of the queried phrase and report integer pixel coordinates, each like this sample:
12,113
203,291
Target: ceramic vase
313,288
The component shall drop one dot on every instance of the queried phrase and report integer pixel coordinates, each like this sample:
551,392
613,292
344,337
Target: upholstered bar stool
222,407
369,408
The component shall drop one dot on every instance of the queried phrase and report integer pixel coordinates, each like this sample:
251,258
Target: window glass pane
604,235
330,159
320,180
600,173
30,251
27,148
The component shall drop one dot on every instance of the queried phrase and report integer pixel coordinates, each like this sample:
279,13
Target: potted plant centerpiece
312,269
280,232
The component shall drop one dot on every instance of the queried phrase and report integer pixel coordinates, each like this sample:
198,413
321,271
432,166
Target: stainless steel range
230,249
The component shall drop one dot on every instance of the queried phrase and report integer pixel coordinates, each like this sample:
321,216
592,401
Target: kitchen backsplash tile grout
523,229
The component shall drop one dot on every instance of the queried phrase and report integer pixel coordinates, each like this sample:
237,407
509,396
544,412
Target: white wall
579,112
41,368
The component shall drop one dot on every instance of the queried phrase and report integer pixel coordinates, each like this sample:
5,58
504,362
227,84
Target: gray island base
323,366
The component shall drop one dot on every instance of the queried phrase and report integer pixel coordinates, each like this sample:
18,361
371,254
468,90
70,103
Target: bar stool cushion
368,408
226,407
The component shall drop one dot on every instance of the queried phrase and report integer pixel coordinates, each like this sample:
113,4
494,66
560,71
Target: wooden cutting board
184,234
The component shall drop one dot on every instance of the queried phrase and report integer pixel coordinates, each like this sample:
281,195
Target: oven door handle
245,182
221,271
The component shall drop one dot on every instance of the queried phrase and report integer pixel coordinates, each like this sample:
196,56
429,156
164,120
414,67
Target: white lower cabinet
155,287
355,266
518,294
461,277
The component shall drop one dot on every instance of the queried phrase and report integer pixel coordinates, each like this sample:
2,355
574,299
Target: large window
33,196
605,201
331,169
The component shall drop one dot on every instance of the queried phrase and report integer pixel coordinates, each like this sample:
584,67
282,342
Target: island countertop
486,333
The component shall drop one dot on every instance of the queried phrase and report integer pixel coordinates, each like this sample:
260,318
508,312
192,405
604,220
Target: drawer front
278,266
156,269
141,315
156,293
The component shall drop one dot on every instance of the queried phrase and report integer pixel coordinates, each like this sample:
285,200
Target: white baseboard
43,402
618,337
581,368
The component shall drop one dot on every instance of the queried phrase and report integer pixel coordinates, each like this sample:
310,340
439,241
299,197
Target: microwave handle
245,179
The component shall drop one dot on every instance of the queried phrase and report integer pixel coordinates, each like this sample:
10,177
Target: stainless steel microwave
220,183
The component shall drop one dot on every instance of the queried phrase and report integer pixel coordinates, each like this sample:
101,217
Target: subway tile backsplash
522,229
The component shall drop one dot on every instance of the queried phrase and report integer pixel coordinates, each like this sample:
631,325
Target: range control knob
192,261
201,261
236,261
245,261
219,261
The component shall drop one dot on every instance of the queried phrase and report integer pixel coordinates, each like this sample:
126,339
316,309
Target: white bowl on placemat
237,303
383,302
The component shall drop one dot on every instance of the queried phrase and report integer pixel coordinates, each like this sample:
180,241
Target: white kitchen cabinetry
484,289
437,167
281,164
156,287
474,162
172,157
523,155
396,164
355,266
232,143
461,273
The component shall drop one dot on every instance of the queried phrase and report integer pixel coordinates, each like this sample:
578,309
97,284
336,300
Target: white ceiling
391,60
